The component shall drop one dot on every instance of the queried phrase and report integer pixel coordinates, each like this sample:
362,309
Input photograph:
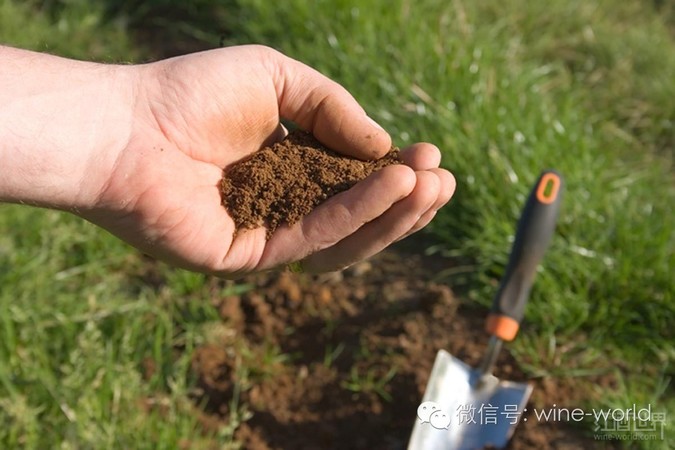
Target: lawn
505,89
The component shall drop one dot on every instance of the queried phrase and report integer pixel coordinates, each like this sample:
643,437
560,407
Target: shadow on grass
166,28
161,28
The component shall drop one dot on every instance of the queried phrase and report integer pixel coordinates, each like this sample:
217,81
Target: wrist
62,125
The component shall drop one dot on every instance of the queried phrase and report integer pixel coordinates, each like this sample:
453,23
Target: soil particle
359,347
283,183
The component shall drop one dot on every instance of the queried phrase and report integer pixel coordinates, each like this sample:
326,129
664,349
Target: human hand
158,137
199,113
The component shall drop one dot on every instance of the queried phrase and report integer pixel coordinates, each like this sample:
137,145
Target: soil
282,183
359,346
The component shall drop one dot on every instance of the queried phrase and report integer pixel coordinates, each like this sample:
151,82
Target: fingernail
375,124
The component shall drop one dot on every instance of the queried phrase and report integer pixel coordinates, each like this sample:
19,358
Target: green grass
505,89
79,321
77,31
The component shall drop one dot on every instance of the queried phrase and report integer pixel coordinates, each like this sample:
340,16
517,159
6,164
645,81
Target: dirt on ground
341,361
282,183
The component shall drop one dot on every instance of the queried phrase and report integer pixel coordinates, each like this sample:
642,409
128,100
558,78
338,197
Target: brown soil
341,334
282,183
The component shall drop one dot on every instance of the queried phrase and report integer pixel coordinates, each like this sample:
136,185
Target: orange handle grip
504,327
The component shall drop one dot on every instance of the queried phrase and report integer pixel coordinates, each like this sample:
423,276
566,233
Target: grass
80,320
60,370
369,382
505,89
77,31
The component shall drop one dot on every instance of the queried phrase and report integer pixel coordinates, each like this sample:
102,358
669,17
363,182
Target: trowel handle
535,228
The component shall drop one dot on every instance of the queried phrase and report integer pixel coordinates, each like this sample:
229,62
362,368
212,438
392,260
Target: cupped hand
195,115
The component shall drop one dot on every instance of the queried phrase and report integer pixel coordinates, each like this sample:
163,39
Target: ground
342,360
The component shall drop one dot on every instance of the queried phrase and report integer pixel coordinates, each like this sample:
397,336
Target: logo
431,412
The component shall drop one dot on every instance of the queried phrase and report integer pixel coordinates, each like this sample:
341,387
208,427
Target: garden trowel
469,408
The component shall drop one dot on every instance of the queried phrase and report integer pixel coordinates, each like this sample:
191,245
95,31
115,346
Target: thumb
326,109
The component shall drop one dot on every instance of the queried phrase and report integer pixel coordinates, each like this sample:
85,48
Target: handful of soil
285,182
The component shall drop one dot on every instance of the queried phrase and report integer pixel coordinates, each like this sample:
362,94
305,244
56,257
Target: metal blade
482,410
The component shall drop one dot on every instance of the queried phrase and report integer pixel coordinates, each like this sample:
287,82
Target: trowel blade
482,412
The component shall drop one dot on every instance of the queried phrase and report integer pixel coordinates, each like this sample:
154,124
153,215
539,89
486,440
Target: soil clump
282,183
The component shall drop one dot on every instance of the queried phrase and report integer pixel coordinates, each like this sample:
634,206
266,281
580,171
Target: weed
370,382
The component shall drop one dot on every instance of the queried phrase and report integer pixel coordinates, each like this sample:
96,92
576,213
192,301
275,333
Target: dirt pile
282,183
341,360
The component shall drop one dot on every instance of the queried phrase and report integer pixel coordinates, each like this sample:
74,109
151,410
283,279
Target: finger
340,216
323,107
448,187
379,233
425,156
446,192
421,156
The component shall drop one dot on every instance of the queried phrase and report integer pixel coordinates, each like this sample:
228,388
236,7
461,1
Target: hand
197,114
157,185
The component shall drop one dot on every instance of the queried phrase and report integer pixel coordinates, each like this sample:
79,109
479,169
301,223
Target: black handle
535,229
